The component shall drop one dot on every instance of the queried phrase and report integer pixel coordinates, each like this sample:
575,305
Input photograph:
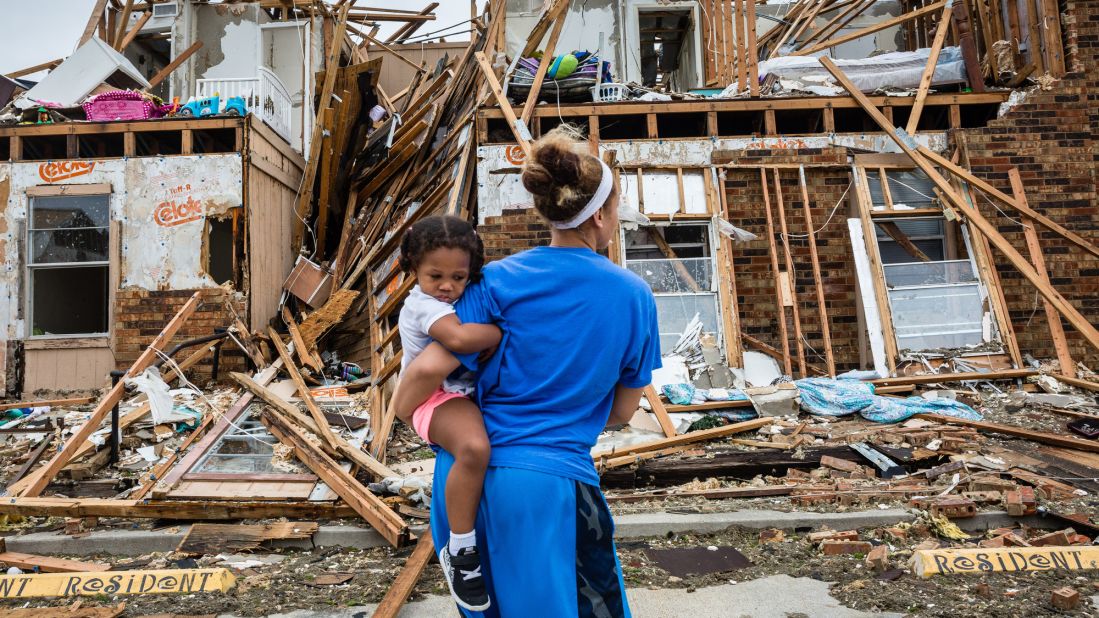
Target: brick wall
512,232
140,315
1052,138
755,284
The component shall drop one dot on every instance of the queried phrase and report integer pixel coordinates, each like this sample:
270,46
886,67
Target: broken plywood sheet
204,539
161,203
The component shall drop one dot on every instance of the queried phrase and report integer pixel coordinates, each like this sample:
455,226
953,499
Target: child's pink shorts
421,416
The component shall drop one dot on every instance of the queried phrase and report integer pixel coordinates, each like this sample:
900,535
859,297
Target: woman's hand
421,378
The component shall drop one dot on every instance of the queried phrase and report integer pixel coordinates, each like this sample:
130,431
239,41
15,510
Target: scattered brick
771,535
983,590
1053,538
878,558
954,508
839,464
1020,502
833,535
836,548
1065,598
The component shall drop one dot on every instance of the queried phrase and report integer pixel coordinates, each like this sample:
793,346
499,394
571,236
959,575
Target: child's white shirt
418,315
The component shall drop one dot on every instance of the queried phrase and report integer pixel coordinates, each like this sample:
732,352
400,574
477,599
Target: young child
445,254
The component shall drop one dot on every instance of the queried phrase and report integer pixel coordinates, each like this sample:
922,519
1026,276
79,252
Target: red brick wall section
512,232
141,315
1052,138
755,285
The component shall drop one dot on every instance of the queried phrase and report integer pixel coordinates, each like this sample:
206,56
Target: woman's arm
462,338
421,378
625,404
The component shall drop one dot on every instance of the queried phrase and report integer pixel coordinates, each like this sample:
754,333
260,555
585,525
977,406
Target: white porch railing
264,95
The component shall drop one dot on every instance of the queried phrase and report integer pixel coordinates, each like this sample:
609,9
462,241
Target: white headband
606,183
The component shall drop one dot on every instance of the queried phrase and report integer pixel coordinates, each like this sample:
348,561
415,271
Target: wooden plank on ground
47,564
687,438
407,578
41,477
660,411
171,509
202,539
75,401
1017,432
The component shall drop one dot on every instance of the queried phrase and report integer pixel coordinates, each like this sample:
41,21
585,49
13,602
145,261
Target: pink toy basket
119,105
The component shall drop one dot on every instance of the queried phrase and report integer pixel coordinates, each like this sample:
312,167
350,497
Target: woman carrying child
579,344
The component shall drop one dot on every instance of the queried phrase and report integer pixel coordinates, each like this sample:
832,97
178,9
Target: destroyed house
784,215
120,199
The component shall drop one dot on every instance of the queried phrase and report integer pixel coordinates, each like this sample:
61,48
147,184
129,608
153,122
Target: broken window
247,448
907,189
678,264
68,239
667,51
219,249
936,302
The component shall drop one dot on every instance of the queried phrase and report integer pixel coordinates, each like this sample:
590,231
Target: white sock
458,542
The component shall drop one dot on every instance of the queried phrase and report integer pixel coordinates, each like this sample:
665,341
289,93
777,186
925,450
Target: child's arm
462,338
625,404
421,378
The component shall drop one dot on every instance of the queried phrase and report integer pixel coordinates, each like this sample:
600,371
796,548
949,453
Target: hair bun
559,176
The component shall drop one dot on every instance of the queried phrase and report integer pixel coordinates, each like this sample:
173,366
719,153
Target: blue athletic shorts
546,544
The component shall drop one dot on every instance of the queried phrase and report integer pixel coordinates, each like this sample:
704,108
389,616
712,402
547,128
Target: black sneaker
463,575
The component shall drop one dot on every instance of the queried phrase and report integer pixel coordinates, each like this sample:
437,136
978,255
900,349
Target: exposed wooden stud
929,70
134,31
741,64
881,296
790,266
752,52
825,329
651,127
543,65
878,27
773,249
93,22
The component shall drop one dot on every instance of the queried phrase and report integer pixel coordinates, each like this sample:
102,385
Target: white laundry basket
604,93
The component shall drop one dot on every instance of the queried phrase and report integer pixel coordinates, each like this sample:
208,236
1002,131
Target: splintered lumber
894,232
407,578
174,64
871,29
1017,432
76,401
367,505
518,129
170,509
1077,382
1034,248
304,353
34,69
544,63
773,251
120,32
342,447
202,539
970,212
303,389
660,411
935,378
687,438
1007,200
93,21
47,564
136,30
41,477
929,71
790,269
152,477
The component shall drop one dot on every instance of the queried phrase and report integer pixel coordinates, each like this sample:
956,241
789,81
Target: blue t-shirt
574,326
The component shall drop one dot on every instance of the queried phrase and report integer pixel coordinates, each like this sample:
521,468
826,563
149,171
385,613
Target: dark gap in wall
627,126
158,143
739,124
101,145
213,141
681,125
41,147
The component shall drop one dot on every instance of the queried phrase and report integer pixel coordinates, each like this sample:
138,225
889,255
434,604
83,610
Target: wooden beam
116,38
1017,432
75,401
1034,248
660,411
871,29
1007,200
929,70
963,34
41,477
973,215
686,438
894,231
300,348
544,63
822,312
406,580
780,309
170,509
370,507
48,564
93,21
790,268
517,128
34,69
936,378
315,411
312,163
753,52
174,64
1077,382
132,34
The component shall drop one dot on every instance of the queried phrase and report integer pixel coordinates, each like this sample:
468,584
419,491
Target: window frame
95,339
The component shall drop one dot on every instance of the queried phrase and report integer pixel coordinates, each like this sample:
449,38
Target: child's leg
458,427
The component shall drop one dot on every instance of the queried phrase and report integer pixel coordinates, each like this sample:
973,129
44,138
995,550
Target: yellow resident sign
928,562
130,582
